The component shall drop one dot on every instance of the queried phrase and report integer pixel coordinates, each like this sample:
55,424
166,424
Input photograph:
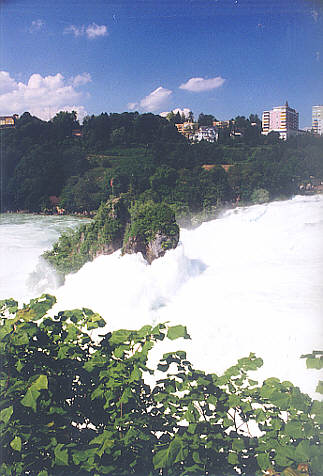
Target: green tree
214,186
148,219
206,119
254,119
163,181
260,195
118,136
171,117
36,177
178,119
96,132
63,124
190,117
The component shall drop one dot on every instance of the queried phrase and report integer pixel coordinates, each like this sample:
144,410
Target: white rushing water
23,239
250,281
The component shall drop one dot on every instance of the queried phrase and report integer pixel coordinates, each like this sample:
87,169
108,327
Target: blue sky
220,57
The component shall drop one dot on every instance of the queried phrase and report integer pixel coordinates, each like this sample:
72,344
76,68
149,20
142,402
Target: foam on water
24,238
250,281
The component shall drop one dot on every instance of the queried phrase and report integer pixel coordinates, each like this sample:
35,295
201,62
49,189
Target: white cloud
7,83
76,31
36,25
91,31
199,84
41,96
81,79
133,105
184,111
80,110
315,15
94,30
153,101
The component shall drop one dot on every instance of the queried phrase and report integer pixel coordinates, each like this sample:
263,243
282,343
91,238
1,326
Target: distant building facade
317,119
223,124
7,122
77,133
281,119
207,133
187,129
195,133
226,167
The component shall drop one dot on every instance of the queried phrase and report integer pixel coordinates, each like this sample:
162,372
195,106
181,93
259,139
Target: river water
250,281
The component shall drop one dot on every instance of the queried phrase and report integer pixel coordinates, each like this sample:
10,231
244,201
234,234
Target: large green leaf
175,332
317,410
94,320
281,459
263,461
5,414
127,394
319,387
8,304
314,363
33,392
167,457
238,444
302,452
81,456
61,456
135,375
294,429
119,337
144,331
37,308
20,338
233,458
196,457
16,443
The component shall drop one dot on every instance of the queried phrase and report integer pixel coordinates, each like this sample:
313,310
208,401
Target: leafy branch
72,405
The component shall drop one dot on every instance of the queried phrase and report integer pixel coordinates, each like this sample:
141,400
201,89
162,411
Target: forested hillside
44,164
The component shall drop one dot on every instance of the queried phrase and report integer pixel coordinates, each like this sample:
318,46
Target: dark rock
159,245
155,248
152,231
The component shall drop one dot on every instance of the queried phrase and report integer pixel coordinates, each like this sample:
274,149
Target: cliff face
154,248
148,228
110,224
152,230
103,235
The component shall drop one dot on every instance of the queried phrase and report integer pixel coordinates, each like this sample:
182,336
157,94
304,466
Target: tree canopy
129,152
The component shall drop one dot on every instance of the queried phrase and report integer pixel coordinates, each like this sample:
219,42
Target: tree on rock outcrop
102,236
148,227
152,231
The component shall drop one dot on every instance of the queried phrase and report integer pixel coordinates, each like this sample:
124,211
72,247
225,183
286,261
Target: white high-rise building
317,119
282,119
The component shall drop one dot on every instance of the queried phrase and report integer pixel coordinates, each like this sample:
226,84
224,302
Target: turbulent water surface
250,281
23,239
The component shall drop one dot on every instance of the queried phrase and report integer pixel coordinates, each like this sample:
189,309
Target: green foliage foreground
75,405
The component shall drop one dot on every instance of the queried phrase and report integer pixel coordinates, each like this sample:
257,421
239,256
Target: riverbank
185,219
51,213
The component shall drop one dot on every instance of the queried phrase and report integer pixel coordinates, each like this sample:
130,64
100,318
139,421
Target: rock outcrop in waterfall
146,227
